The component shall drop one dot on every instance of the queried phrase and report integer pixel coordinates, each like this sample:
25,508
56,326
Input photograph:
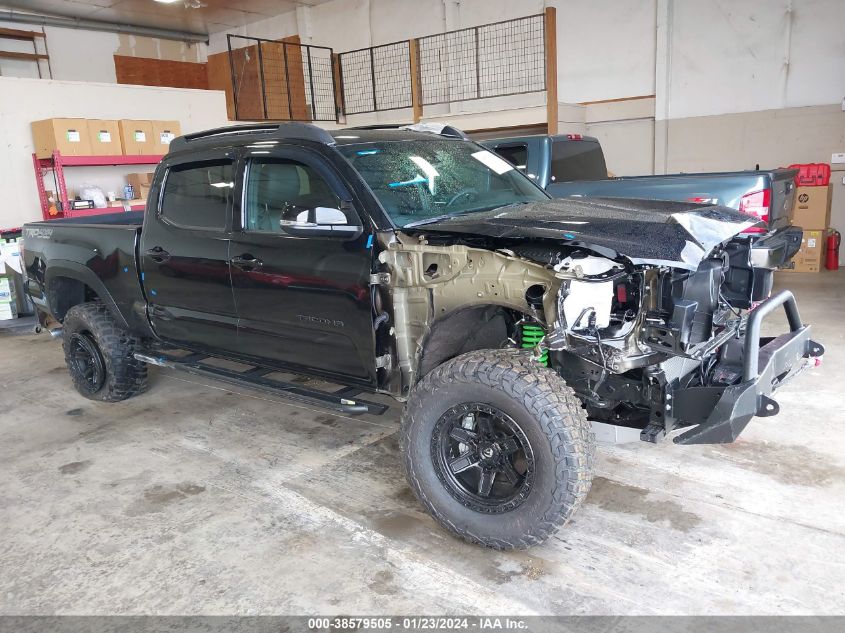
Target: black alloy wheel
482,457
87,362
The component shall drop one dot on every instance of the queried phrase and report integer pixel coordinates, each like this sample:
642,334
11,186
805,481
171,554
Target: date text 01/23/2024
417,623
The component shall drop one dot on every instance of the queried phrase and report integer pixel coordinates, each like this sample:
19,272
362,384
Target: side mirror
325,222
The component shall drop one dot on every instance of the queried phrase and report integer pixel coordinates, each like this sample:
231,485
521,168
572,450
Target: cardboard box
163,133
104,137
812,207
810,256
8,306
69,136
141,183
136,137
118,204
141,179
8,311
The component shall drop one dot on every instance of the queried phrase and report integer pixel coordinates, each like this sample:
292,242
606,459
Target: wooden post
339,105
550,39
416,93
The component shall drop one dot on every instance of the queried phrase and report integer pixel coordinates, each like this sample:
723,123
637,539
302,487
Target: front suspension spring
531,336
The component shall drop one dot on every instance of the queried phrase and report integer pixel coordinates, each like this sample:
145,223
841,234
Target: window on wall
199,195
284,193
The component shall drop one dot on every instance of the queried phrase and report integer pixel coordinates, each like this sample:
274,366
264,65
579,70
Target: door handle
158,254
246,262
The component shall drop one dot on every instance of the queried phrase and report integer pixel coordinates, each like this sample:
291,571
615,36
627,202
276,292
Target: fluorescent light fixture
347,136
255,151
167,1
220,185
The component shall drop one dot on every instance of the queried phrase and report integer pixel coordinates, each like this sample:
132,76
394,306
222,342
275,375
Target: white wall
273,28
25,100
605,49
731,56
700,57
720,56
345,25
79,55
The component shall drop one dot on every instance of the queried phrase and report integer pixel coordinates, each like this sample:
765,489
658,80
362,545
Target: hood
659,232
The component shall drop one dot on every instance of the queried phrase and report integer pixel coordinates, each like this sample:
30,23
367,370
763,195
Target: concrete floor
194,498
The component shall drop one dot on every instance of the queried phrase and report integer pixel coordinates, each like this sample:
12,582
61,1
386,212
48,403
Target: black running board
255,378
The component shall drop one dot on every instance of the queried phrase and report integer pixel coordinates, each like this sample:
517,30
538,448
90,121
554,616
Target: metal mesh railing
281,81
492,60
377,78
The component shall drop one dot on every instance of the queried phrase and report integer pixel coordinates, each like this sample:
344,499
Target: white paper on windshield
496,163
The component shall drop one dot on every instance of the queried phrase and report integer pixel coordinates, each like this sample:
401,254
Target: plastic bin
812,174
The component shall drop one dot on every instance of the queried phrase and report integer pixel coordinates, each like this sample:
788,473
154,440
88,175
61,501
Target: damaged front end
660,349
651,311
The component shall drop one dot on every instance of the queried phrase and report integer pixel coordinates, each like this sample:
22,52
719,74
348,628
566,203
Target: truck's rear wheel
497,448
99,355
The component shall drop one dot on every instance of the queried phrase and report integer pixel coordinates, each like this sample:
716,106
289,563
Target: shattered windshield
422,181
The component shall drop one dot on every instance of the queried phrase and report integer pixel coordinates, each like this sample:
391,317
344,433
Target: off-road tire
124,376
550,414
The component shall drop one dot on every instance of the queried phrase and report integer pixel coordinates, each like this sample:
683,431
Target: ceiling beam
67,22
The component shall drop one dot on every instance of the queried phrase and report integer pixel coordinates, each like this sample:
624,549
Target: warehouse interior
204,497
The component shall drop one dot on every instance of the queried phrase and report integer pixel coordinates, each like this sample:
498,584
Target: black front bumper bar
767,364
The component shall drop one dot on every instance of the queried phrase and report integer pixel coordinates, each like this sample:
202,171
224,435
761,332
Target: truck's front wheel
497,448
99,355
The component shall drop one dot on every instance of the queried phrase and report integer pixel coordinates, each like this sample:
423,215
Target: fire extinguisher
834,239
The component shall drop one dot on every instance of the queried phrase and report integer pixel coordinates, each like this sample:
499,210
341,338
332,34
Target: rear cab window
199,194
577,160
516,154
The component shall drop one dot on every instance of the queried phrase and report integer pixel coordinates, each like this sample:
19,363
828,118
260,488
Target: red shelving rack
57,163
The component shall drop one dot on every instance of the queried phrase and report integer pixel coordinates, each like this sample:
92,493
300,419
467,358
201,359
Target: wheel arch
481,326
69,284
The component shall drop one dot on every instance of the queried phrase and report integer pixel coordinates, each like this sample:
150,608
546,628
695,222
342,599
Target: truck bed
127,218
100,250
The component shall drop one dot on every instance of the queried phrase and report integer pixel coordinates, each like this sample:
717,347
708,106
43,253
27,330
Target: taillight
757,204
574,137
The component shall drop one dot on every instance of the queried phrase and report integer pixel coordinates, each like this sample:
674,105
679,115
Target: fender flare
78,272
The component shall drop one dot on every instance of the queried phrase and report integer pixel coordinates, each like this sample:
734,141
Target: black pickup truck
423,266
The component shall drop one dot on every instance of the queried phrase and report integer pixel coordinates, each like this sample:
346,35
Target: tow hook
767,407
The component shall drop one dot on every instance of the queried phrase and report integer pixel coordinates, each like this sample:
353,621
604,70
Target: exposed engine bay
625,336
623,333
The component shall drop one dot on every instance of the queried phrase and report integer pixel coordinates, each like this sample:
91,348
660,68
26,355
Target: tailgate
783,197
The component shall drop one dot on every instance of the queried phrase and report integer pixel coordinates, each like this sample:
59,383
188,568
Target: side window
198,195
287,193
516,155
577,160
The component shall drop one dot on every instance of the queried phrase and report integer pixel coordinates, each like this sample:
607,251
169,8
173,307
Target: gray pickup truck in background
572,165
